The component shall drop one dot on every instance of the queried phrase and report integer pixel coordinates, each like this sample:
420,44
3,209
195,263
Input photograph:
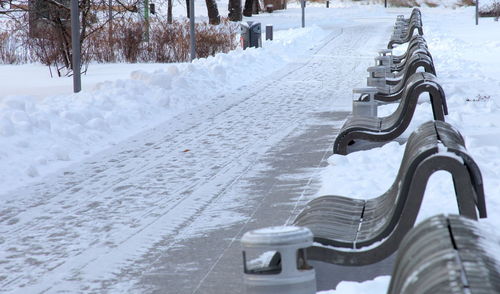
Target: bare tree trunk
110,31
234,7
247,11
187,8
169,11
256,7
213,12
64,44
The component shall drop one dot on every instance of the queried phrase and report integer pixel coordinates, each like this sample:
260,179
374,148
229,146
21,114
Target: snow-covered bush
167,42
489,8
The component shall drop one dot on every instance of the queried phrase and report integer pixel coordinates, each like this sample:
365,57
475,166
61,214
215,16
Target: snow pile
466,60
377,285
41,134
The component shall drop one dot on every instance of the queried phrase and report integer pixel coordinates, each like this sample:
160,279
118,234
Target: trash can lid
278,235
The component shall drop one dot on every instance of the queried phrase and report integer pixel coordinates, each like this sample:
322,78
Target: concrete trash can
365,107
275,261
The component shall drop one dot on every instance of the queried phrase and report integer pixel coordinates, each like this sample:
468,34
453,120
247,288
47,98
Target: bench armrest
385,60
366,90
384,52
378,71
379,83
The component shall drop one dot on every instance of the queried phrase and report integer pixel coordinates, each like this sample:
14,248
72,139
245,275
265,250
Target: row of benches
395,79
442,254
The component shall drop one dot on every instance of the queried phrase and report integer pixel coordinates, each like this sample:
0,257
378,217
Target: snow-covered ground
44,127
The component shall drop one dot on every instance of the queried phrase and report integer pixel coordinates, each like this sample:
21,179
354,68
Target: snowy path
92,228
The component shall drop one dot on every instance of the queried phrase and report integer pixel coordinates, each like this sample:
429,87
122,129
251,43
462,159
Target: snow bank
41,134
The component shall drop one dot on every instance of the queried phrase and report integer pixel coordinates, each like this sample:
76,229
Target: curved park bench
384,129
398,63
391,83
446,254
415,13
403,23
405,29
404,37
415,41
418,47
361,232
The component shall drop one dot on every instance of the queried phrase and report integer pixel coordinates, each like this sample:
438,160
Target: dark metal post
303,6
192,37
477,12
269,32
327,3
75,44
146,20
110,27
385,3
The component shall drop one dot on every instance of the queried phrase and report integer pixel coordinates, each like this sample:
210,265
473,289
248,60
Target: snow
377,285
277,230
45,128
42,129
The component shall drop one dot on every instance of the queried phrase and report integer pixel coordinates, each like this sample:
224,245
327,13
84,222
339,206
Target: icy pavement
119,222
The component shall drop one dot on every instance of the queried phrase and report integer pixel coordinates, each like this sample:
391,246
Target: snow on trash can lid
278,235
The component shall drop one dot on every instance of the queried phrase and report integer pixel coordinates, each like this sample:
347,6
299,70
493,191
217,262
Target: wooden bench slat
445,254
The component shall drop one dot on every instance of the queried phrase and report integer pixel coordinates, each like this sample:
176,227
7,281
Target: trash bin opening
262,263
302,260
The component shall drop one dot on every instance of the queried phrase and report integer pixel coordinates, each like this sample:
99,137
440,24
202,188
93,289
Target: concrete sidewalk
213,263
281,182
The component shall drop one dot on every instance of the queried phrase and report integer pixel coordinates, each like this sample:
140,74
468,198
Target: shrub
12,50
491,9
479,98
7,55
431,4
167,42
403,3
127,42
466,3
